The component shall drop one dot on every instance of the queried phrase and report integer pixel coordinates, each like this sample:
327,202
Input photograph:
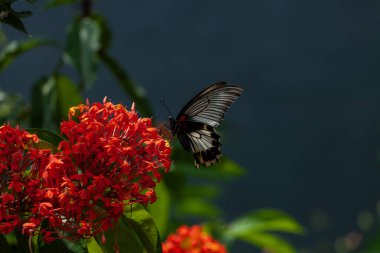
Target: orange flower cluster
111,158
192,240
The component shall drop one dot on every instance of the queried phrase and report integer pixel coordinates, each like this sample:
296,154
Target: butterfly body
196,122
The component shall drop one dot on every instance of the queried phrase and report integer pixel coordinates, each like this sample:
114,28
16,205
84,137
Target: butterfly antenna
162,102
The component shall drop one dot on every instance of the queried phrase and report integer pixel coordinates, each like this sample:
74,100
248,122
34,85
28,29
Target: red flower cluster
192,240
111,158
20,166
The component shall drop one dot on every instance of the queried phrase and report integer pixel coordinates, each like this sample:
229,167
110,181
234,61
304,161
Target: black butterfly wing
211,104
197,120
202,141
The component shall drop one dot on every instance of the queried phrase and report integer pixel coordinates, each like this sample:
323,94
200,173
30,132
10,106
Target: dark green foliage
257,229
142,223
63,246
12,17
82,46
15,48
12,108
57,3
136,232
4,244
51,100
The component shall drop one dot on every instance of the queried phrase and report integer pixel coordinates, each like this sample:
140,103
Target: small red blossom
27,228
20,187
111,158
192,240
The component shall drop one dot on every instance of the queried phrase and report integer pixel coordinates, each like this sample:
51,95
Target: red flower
20,164
111,158
191,240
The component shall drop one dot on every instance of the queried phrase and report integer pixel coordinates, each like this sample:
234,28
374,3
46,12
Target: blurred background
306,128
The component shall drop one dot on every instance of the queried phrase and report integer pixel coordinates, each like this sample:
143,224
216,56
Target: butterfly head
173,125
172,122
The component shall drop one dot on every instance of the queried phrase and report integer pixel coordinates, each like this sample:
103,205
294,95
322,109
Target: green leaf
68,95
197,207
105,32
11,238
205,191
264,220
44,104
144,226
257,227
57,3
83,44
23,14
12,108
93,246
51,99
136,93
271,243
135,232
22,242
76,246
15,48
121,237
62,246
47,136
226,169
4,245
10,17
46,145
370,242
3,38
175,181
160,210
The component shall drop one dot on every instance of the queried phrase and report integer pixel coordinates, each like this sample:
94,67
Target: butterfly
196,122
